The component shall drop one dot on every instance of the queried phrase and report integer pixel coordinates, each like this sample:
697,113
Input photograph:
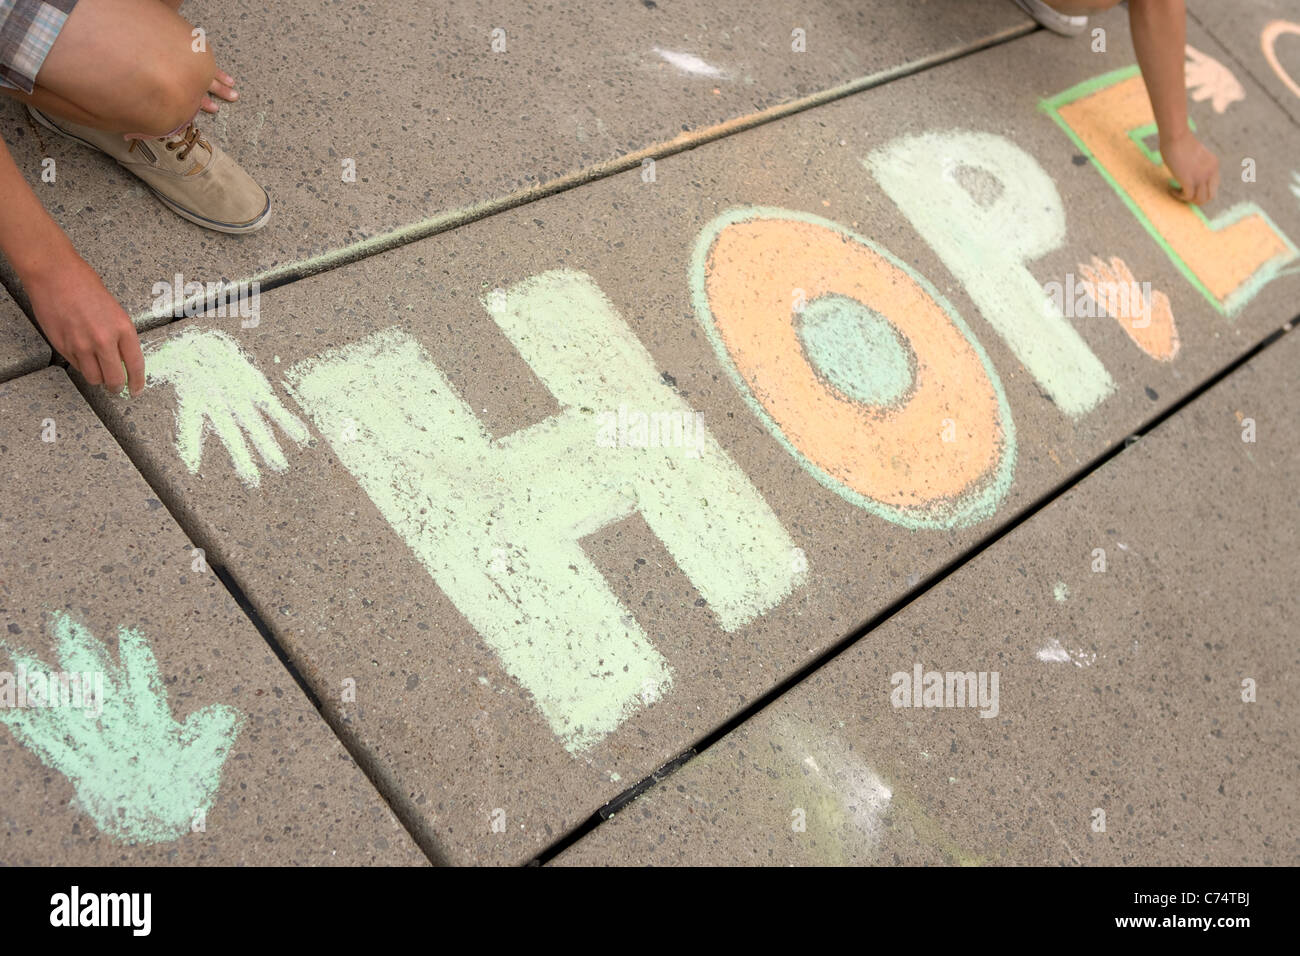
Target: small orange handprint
1150,324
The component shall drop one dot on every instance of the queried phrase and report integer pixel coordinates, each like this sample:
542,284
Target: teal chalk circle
856,350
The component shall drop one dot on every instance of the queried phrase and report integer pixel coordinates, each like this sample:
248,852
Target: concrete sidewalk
23,348
145,720
368,121
1142,712
637,436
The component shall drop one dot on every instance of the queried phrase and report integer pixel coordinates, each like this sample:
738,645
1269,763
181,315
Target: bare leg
223,85
124,66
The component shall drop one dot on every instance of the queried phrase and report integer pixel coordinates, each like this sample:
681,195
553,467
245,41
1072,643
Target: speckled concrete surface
468,753
89,555
1264,37
1119,691
22,348
435,120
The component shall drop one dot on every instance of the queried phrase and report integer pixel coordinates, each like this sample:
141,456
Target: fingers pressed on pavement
134,359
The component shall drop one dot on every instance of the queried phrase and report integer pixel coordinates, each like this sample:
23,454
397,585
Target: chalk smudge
689,63
1055,653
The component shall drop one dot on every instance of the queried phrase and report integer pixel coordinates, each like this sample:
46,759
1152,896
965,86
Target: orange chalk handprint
1208,79
1142,312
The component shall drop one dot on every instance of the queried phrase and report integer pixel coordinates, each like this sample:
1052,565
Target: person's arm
1160,38
78,315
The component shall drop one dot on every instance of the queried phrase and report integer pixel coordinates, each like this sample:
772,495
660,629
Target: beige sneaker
192,177
1054,20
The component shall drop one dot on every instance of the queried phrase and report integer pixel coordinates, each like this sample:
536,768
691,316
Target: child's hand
1194,166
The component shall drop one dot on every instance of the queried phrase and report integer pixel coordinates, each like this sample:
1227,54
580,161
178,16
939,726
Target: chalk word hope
851,359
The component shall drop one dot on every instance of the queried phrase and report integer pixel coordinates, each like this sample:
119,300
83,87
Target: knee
172,90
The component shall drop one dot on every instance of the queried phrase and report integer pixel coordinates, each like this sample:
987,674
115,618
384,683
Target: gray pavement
1143,711
22,349
363,120
433,508
145,720
642,363
1264,37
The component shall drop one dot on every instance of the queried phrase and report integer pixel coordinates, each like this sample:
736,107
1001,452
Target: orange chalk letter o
857,365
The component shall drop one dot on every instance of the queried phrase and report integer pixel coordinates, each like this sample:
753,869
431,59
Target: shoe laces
186,140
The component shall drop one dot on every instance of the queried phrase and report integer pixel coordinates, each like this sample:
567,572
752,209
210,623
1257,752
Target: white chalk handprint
218,389
1208,79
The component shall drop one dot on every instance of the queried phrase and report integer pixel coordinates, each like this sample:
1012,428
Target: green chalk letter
987,208
497,522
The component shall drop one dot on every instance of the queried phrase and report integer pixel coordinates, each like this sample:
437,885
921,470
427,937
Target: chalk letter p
987,208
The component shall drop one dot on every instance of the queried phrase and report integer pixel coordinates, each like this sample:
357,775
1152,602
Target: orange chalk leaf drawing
1143,313
1208,79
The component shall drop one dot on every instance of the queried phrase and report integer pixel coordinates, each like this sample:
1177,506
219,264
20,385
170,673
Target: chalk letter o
856,384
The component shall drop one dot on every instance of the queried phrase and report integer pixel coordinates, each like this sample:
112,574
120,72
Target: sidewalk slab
435,119
177,737
1264,36
516,604
1119,691
22,349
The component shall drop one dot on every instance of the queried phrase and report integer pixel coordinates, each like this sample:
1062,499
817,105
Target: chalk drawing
1208,79
1149,324
857,384
140,775
689,63
1227,259
1268,43
988,209
498,522
219,389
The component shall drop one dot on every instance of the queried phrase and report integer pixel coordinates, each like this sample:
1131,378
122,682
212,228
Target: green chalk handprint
140,775
218,388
